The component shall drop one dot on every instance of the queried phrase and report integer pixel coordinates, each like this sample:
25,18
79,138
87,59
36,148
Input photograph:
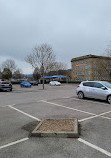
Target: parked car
95,89
25,84
34,83
5,86
55,83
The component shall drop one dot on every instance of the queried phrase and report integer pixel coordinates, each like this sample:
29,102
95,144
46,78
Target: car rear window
88,84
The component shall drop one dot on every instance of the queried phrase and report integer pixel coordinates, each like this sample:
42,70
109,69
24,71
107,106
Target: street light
42,67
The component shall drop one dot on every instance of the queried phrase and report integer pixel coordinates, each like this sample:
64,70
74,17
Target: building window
89,66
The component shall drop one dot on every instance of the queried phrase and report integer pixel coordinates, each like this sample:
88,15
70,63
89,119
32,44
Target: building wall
81,69
90,67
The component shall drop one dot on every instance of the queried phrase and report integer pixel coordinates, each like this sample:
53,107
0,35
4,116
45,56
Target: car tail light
78,86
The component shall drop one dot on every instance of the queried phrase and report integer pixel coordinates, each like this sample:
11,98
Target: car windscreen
25,82
107,84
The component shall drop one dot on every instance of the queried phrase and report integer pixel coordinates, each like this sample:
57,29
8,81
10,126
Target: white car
95,89
55,83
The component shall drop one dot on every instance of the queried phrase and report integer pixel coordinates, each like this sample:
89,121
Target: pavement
25,105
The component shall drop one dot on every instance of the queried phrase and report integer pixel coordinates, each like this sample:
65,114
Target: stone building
91,67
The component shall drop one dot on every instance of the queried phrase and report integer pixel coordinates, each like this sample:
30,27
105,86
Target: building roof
90,56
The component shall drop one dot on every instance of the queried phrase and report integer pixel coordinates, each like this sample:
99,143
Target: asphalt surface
25,105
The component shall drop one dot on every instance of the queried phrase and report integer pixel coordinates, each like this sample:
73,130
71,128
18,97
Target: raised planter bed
67,128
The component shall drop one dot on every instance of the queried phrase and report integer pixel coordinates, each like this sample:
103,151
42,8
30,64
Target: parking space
51,147
97,131
44,109
84,105
10,125
25,105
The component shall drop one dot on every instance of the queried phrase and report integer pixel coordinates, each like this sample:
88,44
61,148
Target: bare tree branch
9,64
41,55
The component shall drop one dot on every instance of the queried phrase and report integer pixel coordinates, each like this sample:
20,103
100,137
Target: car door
88,89
98,92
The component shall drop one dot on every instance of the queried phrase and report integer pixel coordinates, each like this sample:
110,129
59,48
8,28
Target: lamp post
43,74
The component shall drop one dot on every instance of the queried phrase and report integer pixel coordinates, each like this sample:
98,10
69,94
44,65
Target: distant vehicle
94,89
5,86
34,83
25,84
55,83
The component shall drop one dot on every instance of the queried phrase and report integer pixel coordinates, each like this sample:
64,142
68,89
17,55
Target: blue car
25,84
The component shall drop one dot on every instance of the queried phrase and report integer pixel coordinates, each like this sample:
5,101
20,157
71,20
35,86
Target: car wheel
109,99
80,95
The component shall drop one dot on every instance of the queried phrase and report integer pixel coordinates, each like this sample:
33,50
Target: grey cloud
72,28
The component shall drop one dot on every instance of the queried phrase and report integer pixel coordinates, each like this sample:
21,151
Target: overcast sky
72,27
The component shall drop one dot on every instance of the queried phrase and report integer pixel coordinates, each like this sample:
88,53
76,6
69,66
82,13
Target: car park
94,89
34,83
55,83
25,84
5,86
20,109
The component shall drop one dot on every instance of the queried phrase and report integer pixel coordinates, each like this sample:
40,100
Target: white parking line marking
91,117
25,103
100,115
24,113
94,102
13,143
6,106
105,113
89,101
106,117
88,118
95,147
68,107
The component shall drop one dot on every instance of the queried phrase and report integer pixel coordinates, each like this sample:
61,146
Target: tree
36,75
59,68
41,55
42,59
6,74
17,74
9,64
